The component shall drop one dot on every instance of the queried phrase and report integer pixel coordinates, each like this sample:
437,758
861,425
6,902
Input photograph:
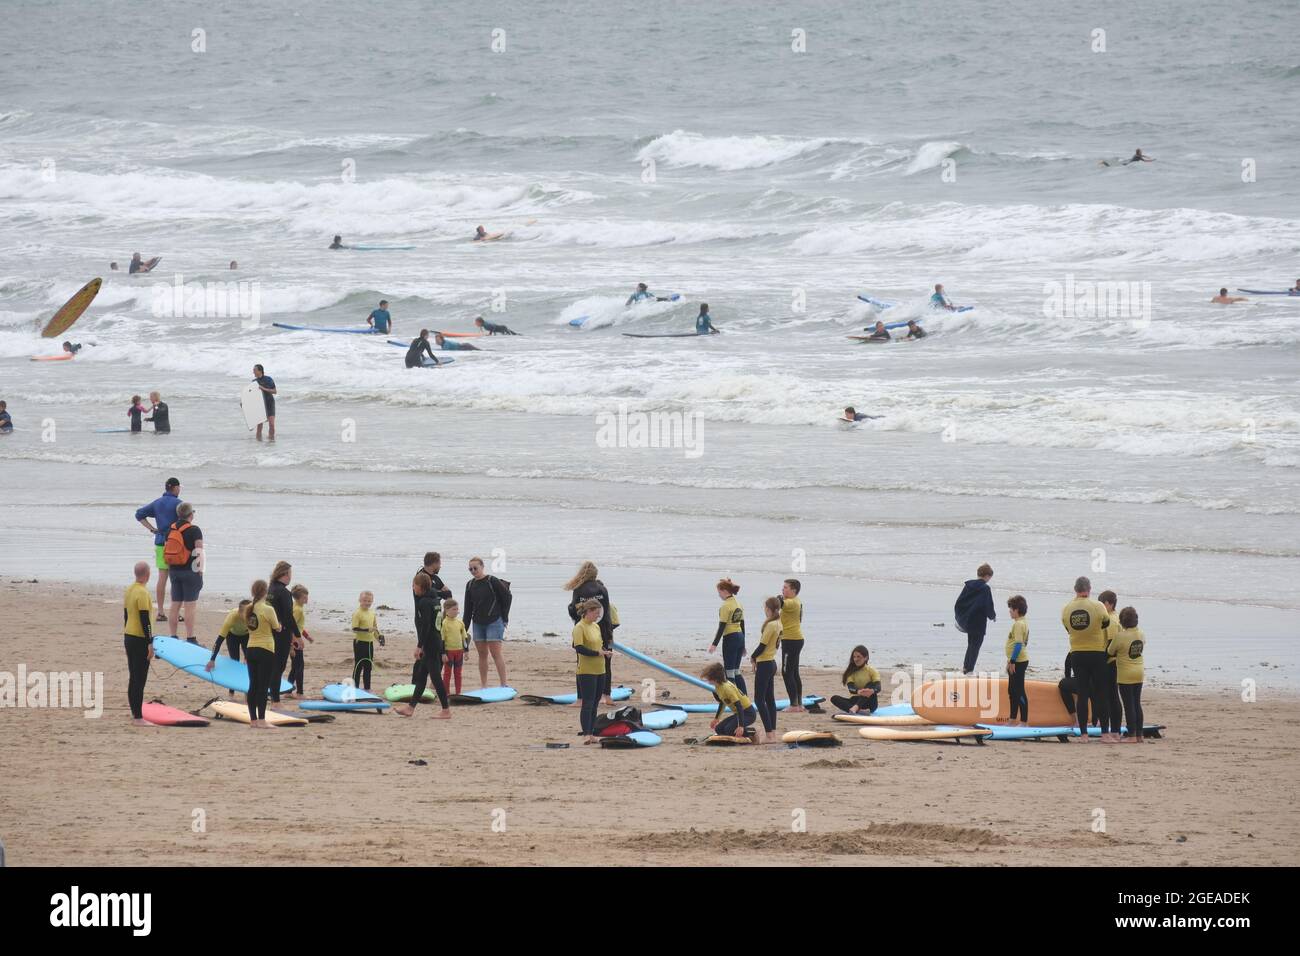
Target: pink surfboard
166,716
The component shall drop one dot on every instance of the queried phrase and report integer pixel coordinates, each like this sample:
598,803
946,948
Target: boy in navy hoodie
973,611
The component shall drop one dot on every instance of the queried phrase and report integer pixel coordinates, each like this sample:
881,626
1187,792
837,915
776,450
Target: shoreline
294,793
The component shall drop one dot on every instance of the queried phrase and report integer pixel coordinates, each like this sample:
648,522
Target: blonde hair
280,570
728,585
586,572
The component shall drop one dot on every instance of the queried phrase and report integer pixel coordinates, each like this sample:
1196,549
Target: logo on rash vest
1080,620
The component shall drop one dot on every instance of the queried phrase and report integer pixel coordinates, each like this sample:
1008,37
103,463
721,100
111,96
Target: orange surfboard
983,700
71,310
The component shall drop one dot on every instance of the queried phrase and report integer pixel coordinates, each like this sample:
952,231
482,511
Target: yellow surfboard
923,733
890,720
727,740
229,710
72,310
983,700
810,738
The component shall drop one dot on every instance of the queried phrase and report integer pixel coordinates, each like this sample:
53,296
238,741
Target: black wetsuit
281,600
136,414
415,354
440,592
429,637
495,328
161,419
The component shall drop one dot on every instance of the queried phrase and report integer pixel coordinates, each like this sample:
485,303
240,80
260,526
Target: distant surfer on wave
1224,299
704,322
643,294
493,328
1137,157
420,348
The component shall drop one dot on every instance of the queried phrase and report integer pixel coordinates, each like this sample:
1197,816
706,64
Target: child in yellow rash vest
863,683
454,639
296,666
137,639
731,632
1018,661
1128,647
364,634
792,643
591,654
764,658
234,633
729,697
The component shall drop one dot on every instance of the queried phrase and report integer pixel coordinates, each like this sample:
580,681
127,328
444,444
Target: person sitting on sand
493,328
731,632
591,656
1224,299
914,331
6,421
419,348
1017,661
764,660
863,683
429,654
379,319
729,697
1128,646
337,243
704,322
940,299
137,631
880,333
450,345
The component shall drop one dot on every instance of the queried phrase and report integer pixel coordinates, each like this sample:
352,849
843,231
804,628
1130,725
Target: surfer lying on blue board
449,346
879,333
493,328
643,294
704,322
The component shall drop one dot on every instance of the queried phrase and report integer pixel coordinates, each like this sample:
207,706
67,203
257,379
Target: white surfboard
254,406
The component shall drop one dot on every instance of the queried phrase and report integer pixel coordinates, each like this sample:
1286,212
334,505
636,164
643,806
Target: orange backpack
174,551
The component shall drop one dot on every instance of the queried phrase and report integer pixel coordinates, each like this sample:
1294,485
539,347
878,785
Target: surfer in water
493,328
880,333
6,422
643,294
447,345
267,385
139,265
1137,157
940,299
1224,299
72,348
482,235
704,322
337,243
379,319
1295,289
852,415
420,348
914,331
158,414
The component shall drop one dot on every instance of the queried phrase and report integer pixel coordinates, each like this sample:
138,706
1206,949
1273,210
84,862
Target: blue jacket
974,607
163,512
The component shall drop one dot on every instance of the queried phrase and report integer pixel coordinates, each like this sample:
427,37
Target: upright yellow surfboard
72,310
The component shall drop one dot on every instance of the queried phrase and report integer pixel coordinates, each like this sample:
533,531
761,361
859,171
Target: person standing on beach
1128,646
1110,681
267,385
729,697
585,586
1085,621
183,552
364,634
286,633
137,639
792,643
731,632
487,611
297,667
261,622
592,660
973,610
429,655
764,658
163,512
863,683
454,640
437,589
1017,661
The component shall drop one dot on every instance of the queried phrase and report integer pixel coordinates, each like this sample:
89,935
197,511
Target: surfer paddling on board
1137,157
704,322
853,415
139,265
418,349
1224,299
447,345
880,333
493,328
940,299
267,385
914,331
482,235
643,294
337,243
1295,289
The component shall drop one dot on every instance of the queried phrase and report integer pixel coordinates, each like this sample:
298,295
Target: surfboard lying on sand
345,707
662,719
71,310
638,738
811,738
882,720
229,710
710,708
347,694
957,734
616,693
998,732
968,701
487,695
159,713
191,658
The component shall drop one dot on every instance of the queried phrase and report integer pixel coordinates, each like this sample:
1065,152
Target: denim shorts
186,584
492,631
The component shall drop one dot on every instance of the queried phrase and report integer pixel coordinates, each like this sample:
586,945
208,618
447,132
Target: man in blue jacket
973,611
163,512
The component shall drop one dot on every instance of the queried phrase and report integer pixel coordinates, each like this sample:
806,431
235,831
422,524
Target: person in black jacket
437,590
486,610
429,656
159,414
288,637
973,611
585,585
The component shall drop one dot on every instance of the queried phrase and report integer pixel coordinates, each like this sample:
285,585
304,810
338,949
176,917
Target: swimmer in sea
880,333
337,243
643,294
914,331
704,322
1224,299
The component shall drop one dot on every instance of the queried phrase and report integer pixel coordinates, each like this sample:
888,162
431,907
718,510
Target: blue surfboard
617,693
487,695
347,694
344,706
192,658
366,330
638,738
662,719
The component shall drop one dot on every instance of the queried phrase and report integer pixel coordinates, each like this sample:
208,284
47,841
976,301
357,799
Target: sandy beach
1217,790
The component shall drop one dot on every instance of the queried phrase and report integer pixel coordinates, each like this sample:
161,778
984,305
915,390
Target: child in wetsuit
364,634
296,665
136,412
454,639
1018,661
729,697
764,658
863,682
1128,646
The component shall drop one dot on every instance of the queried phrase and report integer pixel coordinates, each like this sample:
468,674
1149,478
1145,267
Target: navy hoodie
974,607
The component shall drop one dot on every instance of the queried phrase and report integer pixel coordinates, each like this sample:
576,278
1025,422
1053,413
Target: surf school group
266,635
